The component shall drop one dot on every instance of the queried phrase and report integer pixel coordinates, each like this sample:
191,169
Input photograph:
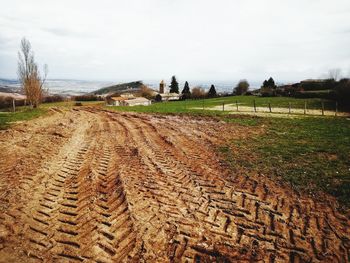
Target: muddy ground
92,186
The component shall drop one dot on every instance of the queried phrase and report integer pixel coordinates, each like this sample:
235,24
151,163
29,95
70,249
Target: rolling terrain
89,185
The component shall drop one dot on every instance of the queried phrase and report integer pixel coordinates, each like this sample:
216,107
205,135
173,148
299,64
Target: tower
161,87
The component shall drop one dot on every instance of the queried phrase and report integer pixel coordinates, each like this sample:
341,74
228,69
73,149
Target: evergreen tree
265,84
174,86
212,92
271,83
186,93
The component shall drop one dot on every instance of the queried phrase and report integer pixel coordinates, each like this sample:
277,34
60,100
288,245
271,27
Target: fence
287,108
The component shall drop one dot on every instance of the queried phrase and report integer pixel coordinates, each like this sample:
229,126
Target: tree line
199,92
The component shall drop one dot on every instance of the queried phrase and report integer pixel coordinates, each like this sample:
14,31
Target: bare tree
146,92
242,87
198,93
334,74
29,75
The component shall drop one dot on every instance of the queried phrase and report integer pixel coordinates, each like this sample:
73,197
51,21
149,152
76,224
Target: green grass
22,114
312,154
196,106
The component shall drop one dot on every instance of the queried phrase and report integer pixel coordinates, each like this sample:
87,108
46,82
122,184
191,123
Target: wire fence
321,109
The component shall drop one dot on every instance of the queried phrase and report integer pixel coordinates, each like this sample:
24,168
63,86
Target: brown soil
93,186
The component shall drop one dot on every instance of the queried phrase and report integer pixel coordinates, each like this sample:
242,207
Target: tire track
138,188
240,212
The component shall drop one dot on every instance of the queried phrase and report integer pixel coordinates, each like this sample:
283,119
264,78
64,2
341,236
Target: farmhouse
115,101
137,101
127,100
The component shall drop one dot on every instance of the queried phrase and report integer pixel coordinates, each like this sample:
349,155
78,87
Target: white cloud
194,39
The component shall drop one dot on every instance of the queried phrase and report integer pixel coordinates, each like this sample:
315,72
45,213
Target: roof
119,98
138,99
127,95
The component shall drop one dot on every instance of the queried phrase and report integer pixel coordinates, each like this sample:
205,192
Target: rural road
88,185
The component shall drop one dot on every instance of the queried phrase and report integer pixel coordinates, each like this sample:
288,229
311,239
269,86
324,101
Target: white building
169,96
128,101
136,101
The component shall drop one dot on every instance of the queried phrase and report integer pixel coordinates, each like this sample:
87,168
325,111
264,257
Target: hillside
132,87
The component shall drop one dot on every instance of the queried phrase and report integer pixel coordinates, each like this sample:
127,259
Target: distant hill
8,81
131,87
6,89
9,89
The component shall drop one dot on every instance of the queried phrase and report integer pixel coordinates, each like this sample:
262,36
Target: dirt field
94,186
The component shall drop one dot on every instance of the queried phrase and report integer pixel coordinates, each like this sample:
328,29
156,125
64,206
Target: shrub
7,102
158,98
87,97
53,98
146,92
198,93
241,88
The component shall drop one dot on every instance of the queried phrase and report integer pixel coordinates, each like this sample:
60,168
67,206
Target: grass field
312,154
196,106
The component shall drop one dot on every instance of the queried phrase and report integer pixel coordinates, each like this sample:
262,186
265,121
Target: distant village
129,99
136,93
311,88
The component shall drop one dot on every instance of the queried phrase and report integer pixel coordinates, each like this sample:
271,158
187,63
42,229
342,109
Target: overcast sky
207,40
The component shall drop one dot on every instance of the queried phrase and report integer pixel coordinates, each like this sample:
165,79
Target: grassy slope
310,153
130,86
22,114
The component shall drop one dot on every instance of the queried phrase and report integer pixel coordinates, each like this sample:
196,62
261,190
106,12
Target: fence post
305,108
223,106
336,108
270,107
254,106
237,105
289,106
14,105
322,106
